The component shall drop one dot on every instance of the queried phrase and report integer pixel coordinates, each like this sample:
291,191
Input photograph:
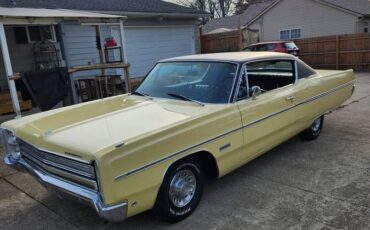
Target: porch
22,33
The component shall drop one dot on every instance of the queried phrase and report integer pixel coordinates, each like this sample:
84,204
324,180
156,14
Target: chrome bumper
114,213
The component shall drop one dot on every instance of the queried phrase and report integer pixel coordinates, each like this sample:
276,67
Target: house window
285,35
295,33
20,35
290,34
40,33
32,34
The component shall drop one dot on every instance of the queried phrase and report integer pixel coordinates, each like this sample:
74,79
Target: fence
350,51
221,42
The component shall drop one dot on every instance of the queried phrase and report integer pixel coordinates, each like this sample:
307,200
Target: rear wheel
314,131
181,191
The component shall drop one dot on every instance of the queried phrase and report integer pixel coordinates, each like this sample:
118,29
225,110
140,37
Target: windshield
206,82
290,45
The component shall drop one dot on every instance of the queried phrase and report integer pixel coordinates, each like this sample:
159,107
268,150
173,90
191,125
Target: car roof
244,56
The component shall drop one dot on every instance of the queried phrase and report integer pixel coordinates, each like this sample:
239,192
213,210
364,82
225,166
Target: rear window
304,70
290,45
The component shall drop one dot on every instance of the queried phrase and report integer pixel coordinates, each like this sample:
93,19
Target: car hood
85,129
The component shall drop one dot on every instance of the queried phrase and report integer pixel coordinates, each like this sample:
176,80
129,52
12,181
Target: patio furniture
106,88
108,85
88,89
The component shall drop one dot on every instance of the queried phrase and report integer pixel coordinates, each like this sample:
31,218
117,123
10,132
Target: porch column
9,71
123,47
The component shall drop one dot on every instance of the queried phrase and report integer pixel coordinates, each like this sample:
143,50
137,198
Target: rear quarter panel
321,93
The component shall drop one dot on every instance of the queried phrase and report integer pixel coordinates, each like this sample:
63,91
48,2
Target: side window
243,88
269,75
304,70
261,48
271,46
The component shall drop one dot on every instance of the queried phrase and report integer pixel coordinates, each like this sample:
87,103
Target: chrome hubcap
182,188
316,125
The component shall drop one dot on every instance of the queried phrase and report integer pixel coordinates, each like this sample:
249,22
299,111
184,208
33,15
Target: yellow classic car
192,118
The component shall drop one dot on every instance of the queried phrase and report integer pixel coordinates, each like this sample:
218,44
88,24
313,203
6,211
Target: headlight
10,147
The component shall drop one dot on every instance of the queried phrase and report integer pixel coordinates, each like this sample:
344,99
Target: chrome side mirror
256,91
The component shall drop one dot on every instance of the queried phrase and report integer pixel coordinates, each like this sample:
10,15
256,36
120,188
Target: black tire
313,131
165,206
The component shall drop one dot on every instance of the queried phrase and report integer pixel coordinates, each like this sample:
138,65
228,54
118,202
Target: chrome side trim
296,71
129,173
236,76
267,117
325,93
243,71
224,147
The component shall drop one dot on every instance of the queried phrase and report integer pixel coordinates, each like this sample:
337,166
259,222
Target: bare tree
202,5
224,7
217,8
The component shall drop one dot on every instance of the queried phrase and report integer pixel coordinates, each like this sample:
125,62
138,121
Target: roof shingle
357,6
145,6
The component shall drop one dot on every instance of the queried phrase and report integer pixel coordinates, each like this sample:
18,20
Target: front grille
71,170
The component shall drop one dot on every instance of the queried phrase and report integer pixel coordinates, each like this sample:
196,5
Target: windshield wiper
142,94
184,98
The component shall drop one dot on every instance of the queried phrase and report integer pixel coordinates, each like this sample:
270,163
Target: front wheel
181,191
313,131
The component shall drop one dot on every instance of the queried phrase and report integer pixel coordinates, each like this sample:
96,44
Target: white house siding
315,19
147,41
80,46
147,45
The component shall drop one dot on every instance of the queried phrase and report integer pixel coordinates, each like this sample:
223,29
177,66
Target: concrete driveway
324,184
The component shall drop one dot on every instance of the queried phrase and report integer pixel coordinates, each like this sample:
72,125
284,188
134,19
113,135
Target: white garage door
146,45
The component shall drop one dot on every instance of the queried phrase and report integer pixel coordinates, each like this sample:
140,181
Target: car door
268,119
307,88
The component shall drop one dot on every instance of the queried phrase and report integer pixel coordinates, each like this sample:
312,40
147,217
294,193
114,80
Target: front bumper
115,213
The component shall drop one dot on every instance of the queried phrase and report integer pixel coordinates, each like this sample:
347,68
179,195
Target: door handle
290,98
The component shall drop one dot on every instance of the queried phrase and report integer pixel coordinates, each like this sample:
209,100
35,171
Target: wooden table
92,88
